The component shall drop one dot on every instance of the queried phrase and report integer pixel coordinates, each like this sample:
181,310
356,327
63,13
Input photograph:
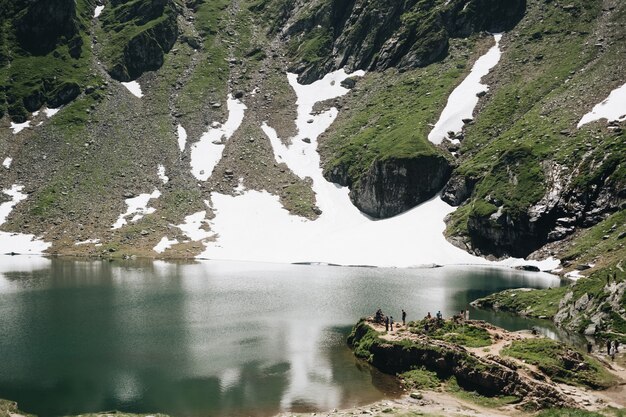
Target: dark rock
458,189
530,268
238,94
349,83
393,186
65,93
306,140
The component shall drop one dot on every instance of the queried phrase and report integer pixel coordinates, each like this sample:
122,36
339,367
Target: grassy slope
390,113
27,75
539,94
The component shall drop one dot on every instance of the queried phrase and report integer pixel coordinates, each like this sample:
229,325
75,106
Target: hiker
589,347
378,318
612,351
467,314
608,347
391,323
616,346
403,318
462,314
439,315
386,324
428,316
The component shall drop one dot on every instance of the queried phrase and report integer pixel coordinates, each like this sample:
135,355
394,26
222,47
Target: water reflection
210,338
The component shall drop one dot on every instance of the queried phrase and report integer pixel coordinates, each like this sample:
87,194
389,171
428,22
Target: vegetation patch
420,379
459,333
561,363
527,302
453,387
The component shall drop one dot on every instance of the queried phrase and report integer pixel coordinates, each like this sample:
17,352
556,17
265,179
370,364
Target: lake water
212,338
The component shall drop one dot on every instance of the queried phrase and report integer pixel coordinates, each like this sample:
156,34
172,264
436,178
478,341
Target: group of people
612,348
380,318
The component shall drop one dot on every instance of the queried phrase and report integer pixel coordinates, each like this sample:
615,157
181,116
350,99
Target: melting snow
182,137
134,88
613,108
87,242
17,242
193,226
207,152
463,99
7,163
574,275
51,112
254,226
164,244
161,173
97,11
137,207
18,127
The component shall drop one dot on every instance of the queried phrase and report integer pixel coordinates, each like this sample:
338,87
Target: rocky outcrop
458,189
376,35
154,29
45,24
483,375
393,186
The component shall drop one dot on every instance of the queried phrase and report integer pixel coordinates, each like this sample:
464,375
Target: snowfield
253,226
17,242
134,88
612,108
464,98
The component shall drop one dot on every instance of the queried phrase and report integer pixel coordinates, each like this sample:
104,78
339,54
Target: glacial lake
213,338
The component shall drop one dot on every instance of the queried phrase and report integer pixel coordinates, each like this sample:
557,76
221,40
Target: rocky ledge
484,359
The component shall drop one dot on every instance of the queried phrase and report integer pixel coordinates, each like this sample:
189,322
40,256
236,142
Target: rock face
486,376
44,23
393,186
154,33
376,35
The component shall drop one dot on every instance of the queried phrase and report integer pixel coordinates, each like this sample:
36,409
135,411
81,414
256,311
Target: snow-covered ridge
464,98
612,108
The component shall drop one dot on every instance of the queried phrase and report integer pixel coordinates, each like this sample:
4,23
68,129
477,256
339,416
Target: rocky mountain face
523,175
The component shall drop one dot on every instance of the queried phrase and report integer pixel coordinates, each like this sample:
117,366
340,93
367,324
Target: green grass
552,358
569,412
390,116
420,379
491,402
600,240
460,334
533,303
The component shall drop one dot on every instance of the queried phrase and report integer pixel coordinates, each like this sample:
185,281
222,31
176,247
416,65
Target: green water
211,339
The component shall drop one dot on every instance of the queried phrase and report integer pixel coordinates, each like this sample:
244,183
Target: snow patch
87,242
207,152
98,11
51,112
194,226
612,108
137,207
464,98
7,162
17,242
134,88
182,137
18,127
253,225
164,244
161,173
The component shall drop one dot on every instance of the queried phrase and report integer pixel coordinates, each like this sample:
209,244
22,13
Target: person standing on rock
403,318
391,323
387,323
608,347
612,351
467,314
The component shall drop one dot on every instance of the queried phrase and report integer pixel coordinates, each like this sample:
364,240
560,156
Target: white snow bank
87,242
463,99
182,137
134,88
18,127
98,11
207,152
194,226
17,242
164,244
253,226
574,275
7,162
51,112
161,173
137,207
613,108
